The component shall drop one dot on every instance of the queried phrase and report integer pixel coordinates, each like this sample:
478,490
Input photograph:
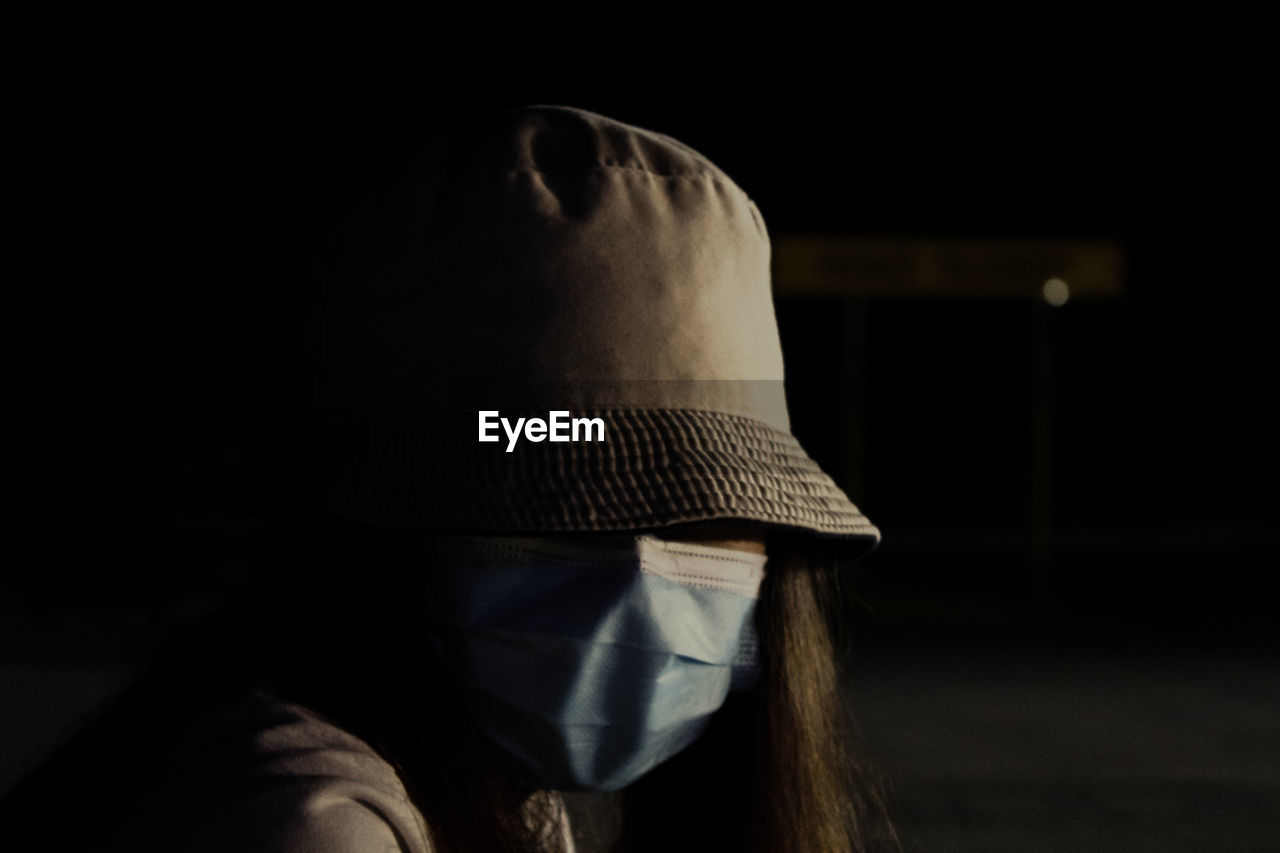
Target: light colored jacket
297,782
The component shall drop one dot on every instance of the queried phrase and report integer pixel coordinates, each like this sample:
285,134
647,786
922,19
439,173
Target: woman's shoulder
285,777
246,772
296,780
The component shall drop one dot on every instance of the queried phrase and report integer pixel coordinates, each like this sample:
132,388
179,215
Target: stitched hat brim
657,468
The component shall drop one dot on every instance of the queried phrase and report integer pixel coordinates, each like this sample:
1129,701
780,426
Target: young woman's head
585,551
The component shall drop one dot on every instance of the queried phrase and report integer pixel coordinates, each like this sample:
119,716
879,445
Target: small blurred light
1056,292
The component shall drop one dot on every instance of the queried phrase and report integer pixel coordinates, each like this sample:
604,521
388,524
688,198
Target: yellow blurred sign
945,268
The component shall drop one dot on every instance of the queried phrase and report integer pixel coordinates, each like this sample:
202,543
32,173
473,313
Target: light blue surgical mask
593,661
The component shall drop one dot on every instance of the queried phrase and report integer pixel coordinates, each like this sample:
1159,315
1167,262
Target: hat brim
656,468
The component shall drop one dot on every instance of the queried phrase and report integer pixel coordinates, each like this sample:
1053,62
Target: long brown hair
779,769
814,789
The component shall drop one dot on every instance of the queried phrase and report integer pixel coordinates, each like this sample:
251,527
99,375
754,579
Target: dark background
1161,426
176,337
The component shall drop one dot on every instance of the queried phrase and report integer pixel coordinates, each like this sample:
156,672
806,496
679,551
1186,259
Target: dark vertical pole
1040,504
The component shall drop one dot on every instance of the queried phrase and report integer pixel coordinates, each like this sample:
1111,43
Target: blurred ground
1017,745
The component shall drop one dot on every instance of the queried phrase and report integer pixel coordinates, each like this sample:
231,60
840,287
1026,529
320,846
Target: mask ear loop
746,666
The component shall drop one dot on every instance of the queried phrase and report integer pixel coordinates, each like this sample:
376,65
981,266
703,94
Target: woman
545,502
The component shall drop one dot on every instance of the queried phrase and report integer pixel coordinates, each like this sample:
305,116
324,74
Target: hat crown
553,247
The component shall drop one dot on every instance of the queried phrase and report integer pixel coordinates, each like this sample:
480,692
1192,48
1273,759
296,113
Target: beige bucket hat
550,260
